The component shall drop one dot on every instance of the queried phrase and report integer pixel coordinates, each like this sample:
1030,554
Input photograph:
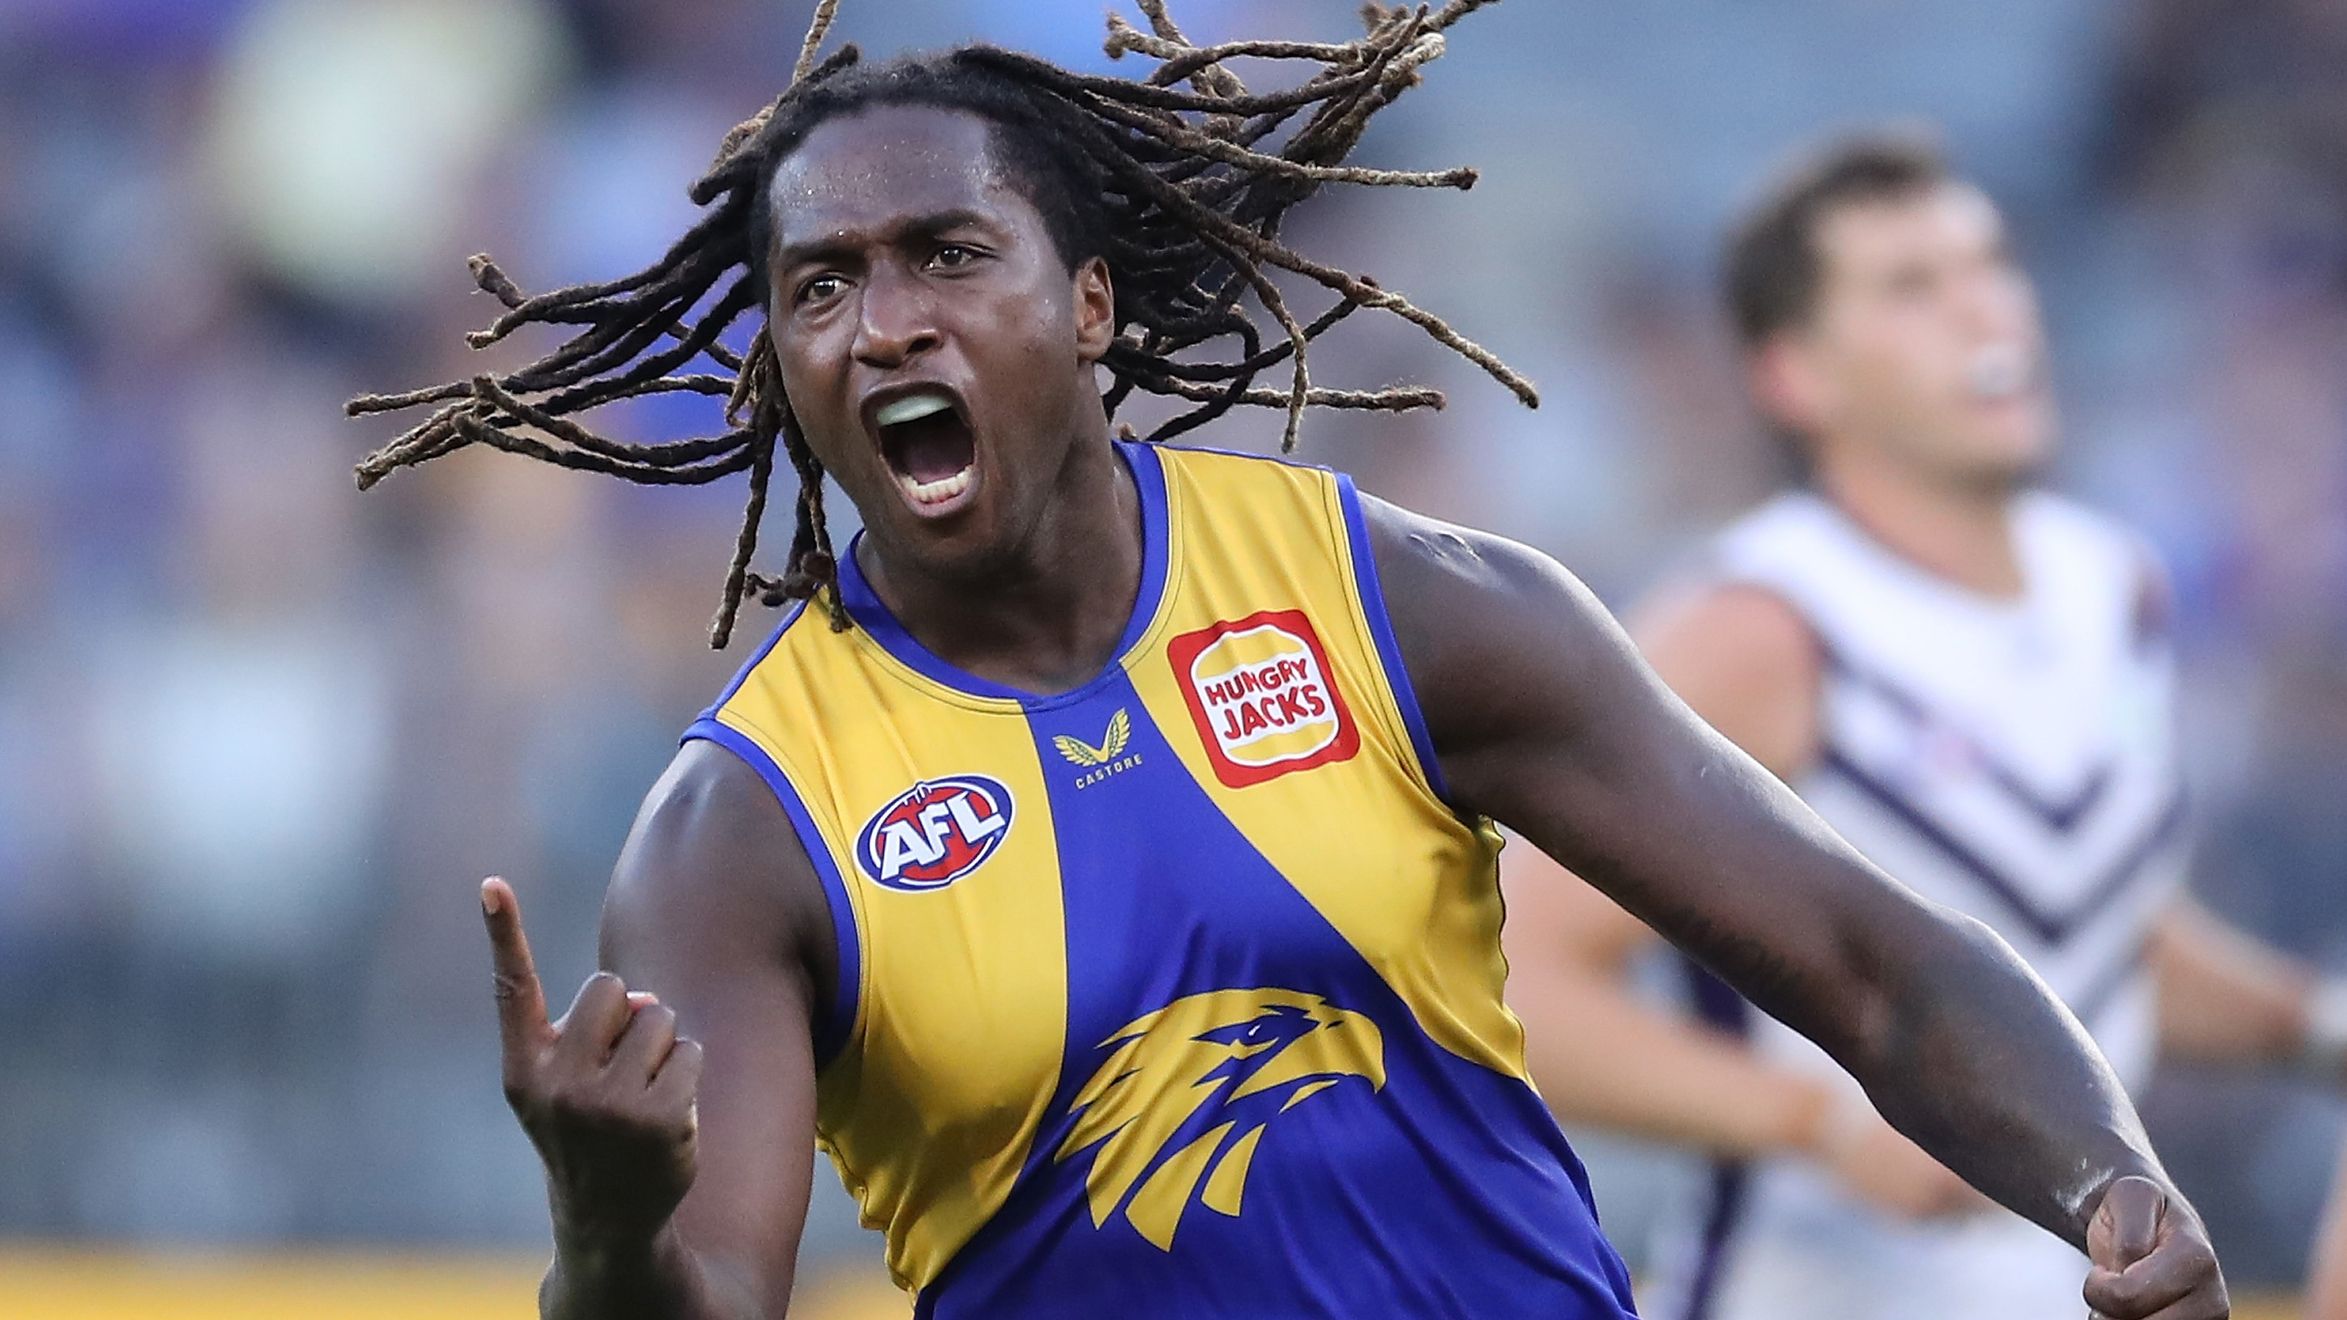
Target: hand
2152,1259
1887,1171
606,1094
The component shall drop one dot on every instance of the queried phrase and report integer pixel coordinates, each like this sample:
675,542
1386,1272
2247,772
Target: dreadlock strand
523,310
1398,398
1214,227
673,454
365,404
478,431
825,11
418,444
1051,77
751,383
737,572
1454,11
494,280
1175,135
602,348
1300,377
1258,359
813,565
1212,78
728,309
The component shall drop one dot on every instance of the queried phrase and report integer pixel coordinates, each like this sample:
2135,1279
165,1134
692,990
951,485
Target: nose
896,321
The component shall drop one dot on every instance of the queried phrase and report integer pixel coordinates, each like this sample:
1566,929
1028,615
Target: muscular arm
1544,717
713,908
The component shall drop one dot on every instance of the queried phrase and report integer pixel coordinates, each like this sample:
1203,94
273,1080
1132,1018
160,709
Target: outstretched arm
1544,718
674,1108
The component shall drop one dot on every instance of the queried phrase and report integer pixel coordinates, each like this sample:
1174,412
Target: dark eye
951,256
819,288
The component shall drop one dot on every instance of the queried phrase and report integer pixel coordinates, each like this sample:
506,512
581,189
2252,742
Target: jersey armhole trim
1371,595
833,1031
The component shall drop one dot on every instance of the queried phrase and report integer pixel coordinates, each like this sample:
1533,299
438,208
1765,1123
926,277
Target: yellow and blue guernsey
1177,994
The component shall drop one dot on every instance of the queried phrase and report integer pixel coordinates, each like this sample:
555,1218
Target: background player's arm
1602,1055
1743,659
1544,717
2224,996
714,909
2326,1281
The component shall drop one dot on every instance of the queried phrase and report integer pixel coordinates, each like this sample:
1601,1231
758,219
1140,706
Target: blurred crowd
260,736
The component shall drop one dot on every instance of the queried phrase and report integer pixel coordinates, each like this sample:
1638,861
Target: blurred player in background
1970,680
1097,861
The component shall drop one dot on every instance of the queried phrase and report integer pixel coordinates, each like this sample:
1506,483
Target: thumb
2127,1223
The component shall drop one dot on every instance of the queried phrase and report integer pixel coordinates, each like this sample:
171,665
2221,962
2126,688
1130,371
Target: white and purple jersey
2013,759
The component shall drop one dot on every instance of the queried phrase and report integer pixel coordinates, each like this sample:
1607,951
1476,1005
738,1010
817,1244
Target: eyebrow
835,245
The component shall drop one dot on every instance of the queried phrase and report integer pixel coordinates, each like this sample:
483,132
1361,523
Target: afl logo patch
935,832
1263,697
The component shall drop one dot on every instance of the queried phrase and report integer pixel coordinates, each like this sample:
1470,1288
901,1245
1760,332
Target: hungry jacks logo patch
1263,697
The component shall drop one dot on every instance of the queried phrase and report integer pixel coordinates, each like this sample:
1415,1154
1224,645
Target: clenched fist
2152,1260
606,1094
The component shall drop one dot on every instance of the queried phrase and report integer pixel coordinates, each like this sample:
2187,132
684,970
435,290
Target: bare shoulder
1506,650
713,870
1459,597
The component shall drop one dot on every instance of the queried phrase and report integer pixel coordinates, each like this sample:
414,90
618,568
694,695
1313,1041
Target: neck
1046,618
1956,530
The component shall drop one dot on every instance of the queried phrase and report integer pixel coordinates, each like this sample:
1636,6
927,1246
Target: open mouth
929,448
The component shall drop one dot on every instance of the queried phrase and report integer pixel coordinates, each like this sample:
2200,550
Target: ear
1786,380
1095,310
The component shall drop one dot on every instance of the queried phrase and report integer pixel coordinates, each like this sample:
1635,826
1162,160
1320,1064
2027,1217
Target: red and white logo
1263,697
935,832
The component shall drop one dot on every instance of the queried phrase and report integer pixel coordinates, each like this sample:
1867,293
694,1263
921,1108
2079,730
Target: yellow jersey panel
926,1117
1361,837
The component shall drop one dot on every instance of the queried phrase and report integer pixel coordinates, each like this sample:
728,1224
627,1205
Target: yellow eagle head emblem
1186,1092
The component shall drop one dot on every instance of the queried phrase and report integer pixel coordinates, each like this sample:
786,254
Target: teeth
2001,371
940,490
912,408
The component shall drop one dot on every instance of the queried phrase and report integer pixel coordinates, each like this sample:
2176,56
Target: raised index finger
521,1004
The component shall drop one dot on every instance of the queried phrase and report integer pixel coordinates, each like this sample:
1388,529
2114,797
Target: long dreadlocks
1168,178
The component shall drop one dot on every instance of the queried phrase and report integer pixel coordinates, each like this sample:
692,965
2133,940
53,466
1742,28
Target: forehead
859,173
1950,219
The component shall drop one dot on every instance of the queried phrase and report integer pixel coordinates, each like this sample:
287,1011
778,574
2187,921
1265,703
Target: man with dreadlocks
1098,862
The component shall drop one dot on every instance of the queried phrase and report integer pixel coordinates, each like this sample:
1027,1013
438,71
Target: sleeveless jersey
1178,994
2013,760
